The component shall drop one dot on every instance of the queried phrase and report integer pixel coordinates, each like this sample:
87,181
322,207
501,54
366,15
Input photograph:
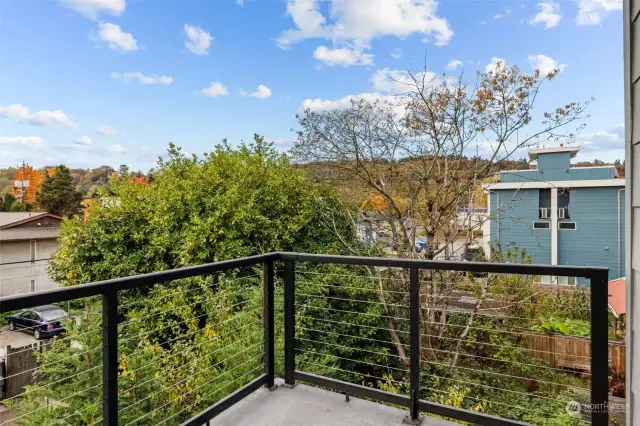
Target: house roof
592,183
617,296
573,150
21,220
10,217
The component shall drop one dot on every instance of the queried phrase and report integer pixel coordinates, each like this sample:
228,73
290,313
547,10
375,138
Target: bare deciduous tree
418,161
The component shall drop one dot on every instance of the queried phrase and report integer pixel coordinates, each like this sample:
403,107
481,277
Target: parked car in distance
42,322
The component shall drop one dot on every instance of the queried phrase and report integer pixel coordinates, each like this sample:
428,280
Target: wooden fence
571,352
20,363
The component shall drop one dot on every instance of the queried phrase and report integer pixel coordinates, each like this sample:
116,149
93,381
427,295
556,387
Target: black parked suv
42,322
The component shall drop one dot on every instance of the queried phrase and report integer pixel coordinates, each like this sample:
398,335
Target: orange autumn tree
27,182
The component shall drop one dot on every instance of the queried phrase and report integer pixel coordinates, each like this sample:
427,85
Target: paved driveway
15,339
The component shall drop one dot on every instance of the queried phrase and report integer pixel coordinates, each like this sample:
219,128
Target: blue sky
92,82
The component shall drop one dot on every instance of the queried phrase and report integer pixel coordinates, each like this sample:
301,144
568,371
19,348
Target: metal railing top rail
22,301
447,265
109,289
98,288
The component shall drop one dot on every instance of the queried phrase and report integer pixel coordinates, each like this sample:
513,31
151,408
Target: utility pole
24,174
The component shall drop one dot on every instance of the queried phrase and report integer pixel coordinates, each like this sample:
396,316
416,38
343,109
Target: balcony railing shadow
377,329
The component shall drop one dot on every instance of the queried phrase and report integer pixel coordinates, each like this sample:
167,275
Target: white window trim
568,229
540,221
553,280
35,250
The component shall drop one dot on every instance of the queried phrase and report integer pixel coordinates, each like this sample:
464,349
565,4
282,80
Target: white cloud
355,23
263,92
33,143
215,89
198,40
605,145
545,64
591,12
142,78
502,15
83,140
115,148
240,2
105,130
345,57
495,64
21,113
396,53
93,8
397,81
453,64
388,83
507,12
548,15
117,39
320,105
282,144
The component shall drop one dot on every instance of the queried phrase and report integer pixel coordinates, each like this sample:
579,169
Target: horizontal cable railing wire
46,407
193,390
183,292
229,306
211,393
194,357
191,347
461,335
183,322
121,410
55,374
480,348
441,364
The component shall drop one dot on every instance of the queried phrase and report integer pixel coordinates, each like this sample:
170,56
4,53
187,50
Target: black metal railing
410,300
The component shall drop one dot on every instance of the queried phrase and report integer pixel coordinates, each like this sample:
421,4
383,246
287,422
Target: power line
26,261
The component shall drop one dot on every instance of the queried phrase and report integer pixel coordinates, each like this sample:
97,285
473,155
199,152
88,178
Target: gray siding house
632,174
560,214
27,241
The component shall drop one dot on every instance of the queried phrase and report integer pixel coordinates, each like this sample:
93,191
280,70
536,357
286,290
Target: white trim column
554,226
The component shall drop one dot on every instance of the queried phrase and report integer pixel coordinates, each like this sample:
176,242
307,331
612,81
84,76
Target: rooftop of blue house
559,213
554,165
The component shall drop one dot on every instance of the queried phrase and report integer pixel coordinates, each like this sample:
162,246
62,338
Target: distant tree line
86,181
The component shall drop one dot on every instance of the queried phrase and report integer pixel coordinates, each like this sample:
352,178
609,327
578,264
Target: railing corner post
269,358
414,334
600,349
289,322
110,358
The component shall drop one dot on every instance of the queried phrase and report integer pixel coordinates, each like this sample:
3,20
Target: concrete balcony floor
307,405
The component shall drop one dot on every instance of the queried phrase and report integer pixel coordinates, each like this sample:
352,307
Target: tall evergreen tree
5,204
57,194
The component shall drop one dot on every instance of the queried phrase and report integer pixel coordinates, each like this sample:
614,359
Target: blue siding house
561,215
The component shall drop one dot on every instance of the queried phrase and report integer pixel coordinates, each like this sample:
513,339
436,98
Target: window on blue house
541,225
553,280
566,280
544,204
570,226
563,203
